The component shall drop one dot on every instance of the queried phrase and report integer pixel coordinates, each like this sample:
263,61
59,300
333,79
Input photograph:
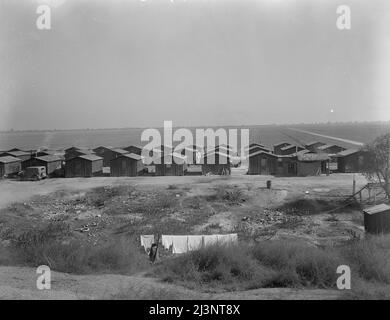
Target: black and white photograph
195,151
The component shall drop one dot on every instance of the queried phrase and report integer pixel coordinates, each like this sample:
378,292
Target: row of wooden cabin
80,162
283,160
314,159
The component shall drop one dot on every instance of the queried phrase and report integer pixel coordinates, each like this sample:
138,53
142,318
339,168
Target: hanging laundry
210,239
195,242
166,241
147,241
225,239
234,237
179,244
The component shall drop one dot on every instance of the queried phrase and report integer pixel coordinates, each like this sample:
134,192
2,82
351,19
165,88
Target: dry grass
370,258
278,264
232,195
298,264
229,267
305,206
52,244
149,294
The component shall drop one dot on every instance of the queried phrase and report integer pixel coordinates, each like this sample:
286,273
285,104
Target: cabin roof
260,152
49,158
377,209
17,153
327,146
309,157
132,156
216,153
9,159
288,147
89,157
118,150
347,152
312,143
281,143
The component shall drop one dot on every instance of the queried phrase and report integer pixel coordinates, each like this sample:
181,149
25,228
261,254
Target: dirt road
20,283
357,143
18,191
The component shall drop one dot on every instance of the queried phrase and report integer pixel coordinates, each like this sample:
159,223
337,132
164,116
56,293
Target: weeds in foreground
278,264
51,244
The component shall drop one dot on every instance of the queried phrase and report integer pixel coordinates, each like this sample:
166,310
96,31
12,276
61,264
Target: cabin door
123,167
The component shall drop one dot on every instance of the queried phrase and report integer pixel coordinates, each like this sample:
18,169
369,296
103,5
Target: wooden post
353,185
369,194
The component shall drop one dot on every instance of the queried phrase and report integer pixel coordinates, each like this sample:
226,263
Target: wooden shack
52,163
314,145
58,153
377,219
109,153
75,152
254,144
290,149
350,160
217,163
9,166
88,165
171,165
133,149
330,149
279,146
262,162
257,148
192,153
126,165
286,166
310,164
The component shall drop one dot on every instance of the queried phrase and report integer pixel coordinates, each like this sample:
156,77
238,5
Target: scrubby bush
51,244
100,195
269,264
216,265
79,257
298,264
232,195
370,257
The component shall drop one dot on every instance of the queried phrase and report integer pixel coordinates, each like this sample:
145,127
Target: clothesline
185,243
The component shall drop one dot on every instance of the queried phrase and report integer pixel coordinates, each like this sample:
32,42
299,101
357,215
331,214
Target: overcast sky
128,63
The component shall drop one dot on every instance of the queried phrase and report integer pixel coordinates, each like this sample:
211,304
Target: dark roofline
314,142
260,152
289,147
9,159
280,143
49,158
132,156
87,157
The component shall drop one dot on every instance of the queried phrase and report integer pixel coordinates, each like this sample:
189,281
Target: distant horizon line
200,126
